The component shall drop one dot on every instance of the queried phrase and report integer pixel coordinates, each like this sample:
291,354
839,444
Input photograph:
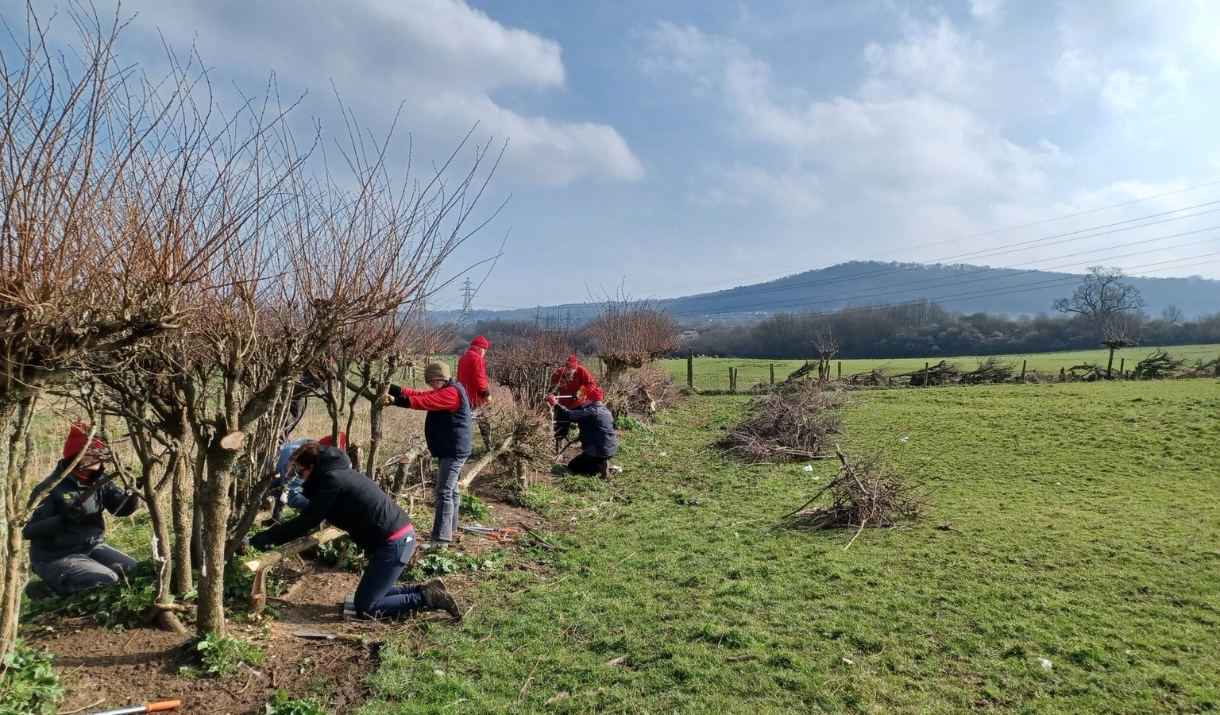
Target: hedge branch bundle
990,370
786,426
863,494
1157,366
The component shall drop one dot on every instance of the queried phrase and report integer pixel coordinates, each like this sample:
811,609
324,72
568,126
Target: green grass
1084,532
713,373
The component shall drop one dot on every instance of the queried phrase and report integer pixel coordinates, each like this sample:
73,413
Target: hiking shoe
438,599
38,590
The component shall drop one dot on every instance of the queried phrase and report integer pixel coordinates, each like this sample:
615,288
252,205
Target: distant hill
965,288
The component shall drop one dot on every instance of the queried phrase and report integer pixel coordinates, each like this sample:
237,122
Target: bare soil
102,668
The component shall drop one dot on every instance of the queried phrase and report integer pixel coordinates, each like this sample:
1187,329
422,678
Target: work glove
550,400
385,400
73,515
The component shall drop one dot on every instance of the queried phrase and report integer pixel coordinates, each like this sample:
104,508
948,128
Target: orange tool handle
164,706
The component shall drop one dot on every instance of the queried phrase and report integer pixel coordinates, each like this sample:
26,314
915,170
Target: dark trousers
101,565
377,596
586,464
562,426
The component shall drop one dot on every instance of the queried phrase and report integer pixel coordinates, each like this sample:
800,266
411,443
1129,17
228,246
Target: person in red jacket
572,381
472,374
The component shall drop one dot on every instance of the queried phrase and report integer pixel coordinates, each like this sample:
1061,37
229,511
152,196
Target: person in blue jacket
68,550
289,483
598,441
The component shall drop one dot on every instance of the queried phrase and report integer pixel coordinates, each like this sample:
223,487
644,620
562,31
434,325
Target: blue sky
664,148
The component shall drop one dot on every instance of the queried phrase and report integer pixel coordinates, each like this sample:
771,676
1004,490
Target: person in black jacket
67,549
353,502
598,441
447,431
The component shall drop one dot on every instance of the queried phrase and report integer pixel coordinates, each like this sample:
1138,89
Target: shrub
221,655
473,507
280,703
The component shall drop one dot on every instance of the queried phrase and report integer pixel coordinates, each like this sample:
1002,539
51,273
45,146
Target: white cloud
905,141
440,59
931,56
987,11
1124,92
794,193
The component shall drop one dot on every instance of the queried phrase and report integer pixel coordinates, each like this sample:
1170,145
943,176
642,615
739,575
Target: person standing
67,548
447,431
350,501
472,374
598,441
572,381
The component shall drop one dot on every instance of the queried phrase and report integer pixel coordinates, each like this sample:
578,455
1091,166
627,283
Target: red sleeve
480,374
446,398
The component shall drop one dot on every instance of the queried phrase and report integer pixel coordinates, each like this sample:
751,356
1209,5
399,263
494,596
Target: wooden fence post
1023,370
1122,364
732,379
840,369
772,373
690,369
925,374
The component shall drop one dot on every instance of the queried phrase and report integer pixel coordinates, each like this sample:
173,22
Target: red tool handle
163,706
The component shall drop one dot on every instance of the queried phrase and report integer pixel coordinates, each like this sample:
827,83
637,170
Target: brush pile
877,377
1086,372
641,392
1157,366
803,371
990,370
788,425
940,374
862,494
1203,369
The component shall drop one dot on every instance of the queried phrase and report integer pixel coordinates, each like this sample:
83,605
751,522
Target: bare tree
827,346
86,147
1173,314
525,361
1111,305
627,334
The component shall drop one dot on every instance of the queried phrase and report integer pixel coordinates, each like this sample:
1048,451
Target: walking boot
438,599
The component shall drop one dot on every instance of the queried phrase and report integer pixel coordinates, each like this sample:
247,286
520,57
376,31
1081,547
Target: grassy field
1080,572
713,373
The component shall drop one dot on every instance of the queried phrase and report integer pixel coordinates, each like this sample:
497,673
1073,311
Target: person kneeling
598,441
354,503
67,548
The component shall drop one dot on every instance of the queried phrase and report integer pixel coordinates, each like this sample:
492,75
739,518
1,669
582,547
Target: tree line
925,329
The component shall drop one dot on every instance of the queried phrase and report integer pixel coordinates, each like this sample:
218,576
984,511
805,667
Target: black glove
73,514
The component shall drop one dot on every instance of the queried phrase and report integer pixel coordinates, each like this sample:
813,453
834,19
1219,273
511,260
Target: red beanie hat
480,342
593,393
76,440
573,361
329,441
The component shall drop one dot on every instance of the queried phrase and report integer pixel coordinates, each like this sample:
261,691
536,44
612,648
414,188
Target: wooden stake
1023,371
690,368
772,373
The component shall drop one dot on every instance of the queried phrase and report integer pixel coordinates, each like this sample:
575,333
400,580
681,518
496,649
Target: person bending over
67,548
572,381
447,432
286,485
598,441
354,503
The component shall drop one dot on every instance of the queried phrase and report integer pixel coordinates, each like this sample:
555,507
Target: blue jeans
445,523
377,596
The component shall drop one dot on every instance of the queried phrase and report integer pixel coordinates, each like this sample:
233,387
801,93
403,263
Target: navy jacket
596,425
50,532
447,433
345,498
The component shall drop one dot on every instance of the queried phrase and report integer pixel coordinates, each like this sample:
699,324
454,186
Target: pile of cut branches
1088,372
942,373
877,377
788,425
1157,366
863,494
990,370
1210,368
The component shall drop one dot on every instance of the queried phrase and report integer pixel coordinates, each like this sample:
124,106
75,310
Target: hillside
965,288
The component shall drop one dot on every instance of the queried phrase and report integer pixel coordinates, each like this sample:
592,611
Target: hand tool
159,707
314,635
493,533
